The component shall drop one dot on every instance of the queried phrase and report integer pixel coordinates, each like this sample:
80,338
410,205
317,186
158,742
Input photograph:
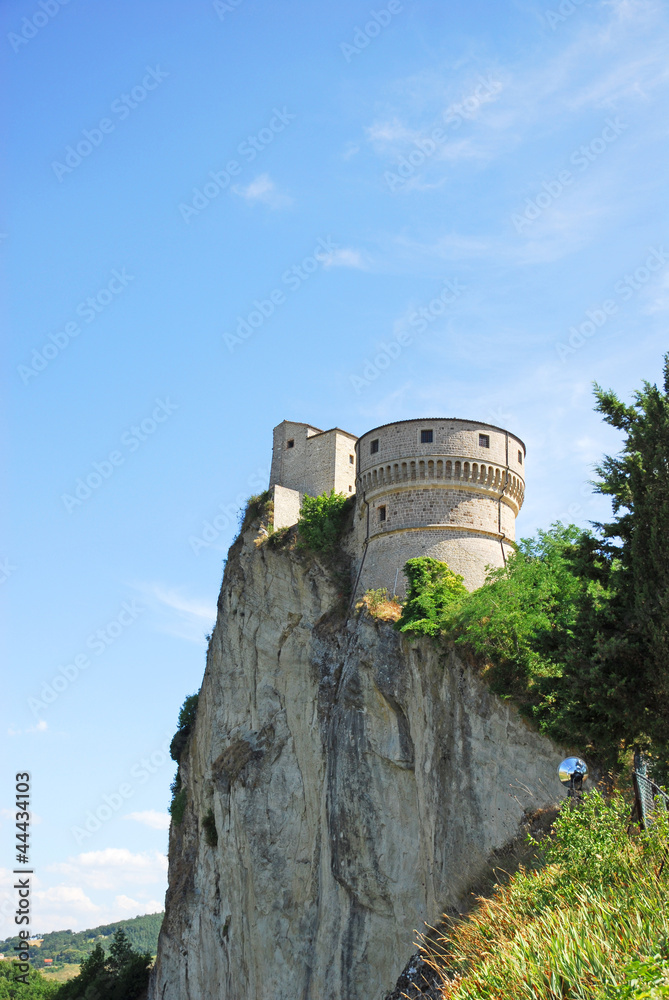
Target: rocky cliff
358,783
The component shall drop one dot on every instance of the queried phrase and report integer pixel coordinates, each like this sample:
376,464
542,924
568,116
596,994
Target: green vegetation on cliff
575,628
322,520
185,723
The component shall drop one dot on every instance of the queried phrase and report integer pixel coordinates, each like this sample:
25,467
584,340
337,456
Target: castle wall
286,506
455,438
466,554
317,462
454,498
293,467
344,468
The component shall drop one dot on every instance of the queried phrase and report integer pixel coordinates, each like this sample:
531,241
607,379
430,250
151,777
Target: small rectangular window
291,443
382,513
520,457
374,446
484,440
350,489
426,437
351,459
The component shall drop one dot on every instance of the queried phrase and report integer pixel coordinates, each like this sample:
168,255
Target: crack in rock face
358,784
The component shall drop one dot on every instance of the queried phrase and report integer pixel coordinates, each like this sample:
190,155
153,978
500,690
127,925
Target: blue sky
223,215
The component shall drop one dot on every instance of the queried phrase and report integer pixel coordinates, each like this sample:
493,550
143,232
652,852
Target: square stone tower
308,461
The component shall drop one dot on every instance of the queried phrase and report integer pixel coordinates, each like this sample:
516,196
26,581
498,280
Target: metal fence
649,798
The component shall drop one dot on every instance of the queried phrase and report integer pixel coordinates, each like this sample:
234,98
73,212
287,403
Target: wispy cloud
176,613
107,868
611,62
346,257
137,907
151,817
40,727
264,191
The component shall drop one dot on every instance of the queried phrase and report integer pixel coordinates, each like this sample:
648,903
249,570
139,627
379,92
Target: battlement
446,488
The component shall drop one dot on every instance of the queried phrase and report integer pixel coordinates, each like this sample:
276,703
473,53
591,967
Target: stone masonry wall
317,462
415,507
466,554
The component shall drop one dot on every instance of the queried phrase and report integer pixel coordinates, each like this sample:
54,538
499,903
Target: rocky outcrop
358,783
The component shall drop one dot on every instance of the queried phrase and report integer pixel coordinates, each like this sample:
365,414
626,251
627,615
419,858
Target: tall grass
589,924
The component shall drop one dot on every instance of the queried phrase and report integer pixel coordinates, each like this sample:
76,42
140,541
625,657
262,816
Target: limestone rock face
358,783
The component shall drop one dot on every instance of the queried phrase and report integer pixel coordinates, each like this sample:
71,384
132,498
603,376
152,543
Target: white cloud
151,817
263,189
345,257
108,868
487,112
41,727
186,617
137,907
74,897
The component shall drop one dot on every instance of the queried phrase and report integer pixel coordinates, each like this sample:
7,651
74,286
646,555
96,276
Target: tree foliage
631,555
123,975
434,591
575,627
74,946
185,723
37,987
321,521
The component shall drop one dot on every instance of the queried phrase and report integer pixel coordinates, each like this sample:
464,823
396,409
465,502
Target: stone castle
445,488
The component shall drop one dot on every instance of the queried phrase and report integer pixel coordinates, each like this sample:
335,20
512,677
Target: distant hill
74,946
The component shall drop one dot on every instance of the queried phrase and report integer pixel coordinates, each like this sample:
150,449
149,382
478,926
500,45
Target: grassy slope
585,925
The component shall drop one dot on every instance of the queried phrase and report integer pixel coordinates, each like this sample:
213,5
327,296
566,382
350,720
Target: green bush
36,988
321,521
178,805
185,723
258,508
434,592
209,827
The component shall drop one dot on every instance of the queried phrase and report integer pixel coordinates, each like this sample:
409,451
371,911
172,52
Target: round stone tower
450,489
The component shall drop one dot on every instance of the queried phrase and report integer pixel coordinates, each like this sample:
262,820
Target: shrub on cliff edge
434,592
321,521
